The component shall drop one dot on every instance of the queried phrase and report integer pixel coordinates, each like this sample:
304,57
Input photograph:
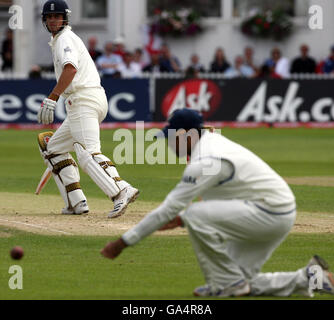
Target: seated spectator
303,63
168,61
140,58
319,69
155,66
278,65
35,72
7,52
119,47
195,64
219,63
249,59
191,73
109,62
329,62
93,51
128,68
264,72
240,69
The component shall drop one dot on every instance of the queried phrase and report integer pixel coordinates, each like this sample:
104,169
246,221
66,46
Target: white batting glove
46,112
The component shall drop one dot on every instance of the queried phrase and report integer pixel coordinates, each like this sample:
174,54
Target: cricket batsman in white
246,211
86,103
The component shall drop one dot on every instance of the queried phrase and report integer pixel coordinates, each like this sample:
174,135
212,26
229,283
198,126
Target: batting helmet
56,6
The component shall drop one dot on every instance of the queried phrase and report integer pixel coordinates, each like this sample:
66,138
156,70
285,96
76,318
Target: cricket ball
16,253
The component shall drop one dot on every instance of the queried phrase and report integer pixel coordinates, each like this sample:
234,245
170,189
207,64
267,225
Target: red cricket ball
16,253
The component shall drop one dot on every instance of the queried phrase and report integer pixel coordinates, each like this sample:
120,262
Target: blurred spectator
7,51
328,66
155,66
35,72
129,68
119,47
195,64
320,67
92,48
219,63
168,61
278,65
249,59
304,63
240,69
140,58
191,73
264,72
109,62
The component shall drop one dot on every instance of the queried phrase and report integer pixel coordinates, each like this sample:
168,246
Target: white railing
169,75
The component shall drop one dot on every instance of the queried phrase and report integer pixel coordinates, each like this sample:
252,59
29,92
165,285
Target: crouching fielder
246,212
86,104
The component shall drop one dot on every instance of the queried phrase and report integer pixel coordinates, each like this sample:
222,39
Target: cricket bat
44,180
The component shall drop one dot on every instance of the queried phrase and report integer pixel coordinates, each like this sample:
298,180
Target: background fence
294,101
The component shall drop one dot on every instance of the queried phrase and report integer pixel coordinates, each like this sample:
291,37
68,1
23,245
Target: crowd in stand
116,61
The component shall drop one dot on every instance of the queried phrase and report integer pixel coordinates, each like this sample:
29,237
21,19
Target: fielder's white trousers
232,240
85,112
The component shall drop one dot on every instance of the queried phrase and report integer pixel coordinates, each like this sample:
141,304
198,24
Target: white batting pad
104,181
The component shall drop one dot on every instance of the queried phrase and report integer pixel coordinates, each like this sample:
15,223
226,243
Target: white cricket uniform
86,106
246,212
86,102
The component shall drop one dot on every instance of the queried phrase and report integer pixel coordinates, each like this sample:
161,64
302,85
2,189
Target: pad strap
73,186
63,164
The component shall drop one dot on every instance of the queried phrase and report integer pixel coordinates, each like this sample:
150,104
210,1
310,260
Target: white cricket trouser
232,240
85,109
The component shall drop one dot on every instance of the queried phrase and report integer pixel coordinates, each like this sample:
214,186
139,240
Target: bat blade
44,180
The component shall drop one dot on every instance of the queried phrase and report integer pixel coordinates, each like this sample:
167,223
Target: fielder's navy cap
183,119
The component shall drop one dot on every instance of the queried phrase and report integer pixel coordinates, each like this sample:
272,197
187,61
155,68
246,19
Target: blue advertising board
20,100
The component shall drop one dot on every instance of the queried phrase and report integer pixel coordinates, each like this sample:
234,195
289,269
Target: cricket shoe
80,208
240,288
327,285
126,196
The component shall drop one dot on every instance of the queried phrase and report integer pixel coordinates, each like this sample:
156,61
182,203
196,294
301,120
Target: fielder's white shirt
219,170
68,48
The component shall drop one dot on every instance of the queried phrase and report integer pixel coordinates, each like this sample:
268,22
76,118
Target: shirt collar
54,39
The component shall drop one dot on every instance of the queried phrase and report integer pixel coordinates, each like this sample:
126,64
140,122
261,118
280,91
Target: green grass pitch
159,267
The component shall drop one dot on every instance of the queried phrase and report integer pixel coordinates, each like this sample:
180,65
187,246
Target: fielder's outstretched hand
113,249
46,112
176,222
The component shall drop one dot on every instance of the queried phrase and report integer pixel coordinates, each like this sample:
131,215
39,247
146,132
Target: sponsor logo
189,179
122,107
288,108
201,95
